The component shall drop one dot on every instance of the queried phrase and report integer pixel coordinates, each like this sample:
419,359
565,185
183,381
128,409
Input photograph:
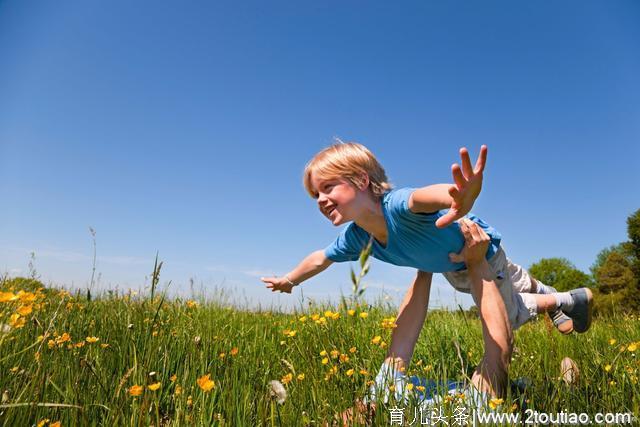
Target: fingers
447,219
458,177
455,258
467,170
482,159
454,192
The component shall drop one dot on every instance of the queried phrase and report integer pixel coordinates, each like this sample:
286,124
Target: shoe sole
589,310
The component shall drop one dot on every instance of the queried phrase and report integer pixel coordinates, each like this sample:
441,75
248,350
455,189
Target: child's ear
364,182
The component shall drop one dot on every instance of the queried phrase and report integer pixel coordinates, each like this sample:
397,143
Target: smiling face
338,199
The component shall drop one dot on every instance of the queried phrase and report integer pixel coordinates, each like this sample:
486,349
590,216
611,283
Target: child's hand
277,284
468,183
476,243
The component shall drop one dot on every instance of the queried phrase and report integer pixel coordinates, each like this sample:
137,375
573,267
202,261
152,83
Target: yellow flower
494,403
43,422
16,321
178,391
344,358
353,350
55,424
364,372
91,340
613,341
607,368
632,346
14,369
24,310
104,345
612,383
300,377
63,338
383,344
335,316
79,344
287,378
222,355
173,378
291,334
392,388
233,351
51,343
334,354
420,388
410,386
364,315
323,353
206,383
349,372
191,304
25,297
376,339
325,360
136,390
303,319
315,317
154,386
7,296
351,312
328,313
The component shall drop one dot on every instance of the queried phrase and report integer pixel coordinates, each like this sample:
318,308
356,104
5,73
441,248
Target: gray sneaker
581,311
560,319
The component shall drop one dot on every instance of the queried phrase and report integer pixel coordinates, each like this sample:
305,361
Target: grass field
137,360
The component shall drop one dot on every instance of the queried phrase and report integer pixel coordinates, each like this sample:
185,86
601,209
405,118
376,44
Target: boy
410,228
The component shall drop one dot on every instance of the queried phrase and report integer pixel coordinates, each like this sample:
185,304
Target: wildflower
376,340
7,296
91,340
26,297
277,391
136,390
383,344
16,321
154,386
222,355
389,323
315,317
420,388
351,312
364,315
349,372
328,313
173,378
51,343
63,338
344,358
287,378
55,424
612,383
43,422
291,334
36,356
104,345
364,372
494,403
233,351
353,350
392,388
191,304
335,354
335,316
24,310
300,377
632,347
607,368
189,401
283,342
79,344
612,341
14,369
333,370
325,360
178,391
206,383
303,319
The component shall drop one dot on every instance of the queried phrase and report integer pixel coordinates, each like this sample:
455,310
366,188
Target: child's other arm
313,264
458,198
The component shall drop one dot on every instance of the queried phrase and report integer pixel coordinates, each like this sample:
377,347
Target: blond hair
348,160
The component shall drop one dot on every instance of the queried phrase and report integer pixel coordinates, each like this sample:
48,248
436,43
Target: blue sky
183,128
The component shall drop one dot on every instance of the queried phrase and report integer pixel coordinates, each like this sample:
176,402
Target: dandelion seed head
277,391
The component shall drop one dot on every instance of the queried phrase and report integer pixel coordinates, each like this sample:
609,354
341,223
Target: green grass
89,385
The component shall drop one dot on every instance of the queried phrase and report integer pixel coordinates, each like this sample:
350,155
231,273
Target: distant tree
624,249
617,285
560,273
633,231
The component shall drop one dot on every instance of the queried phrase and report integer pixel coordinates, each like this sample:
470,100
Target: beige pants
513,282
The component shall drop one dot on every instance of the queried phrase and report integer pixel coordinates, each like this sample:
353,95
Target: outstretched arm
492,374
409,321
313,264
458,198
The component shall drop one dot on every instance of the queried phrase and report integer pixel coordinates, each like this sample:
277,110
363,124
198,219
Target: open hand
277,284
468,183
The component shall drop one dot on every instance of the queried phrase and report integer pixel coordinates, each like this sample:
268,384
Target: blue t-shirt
413,240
